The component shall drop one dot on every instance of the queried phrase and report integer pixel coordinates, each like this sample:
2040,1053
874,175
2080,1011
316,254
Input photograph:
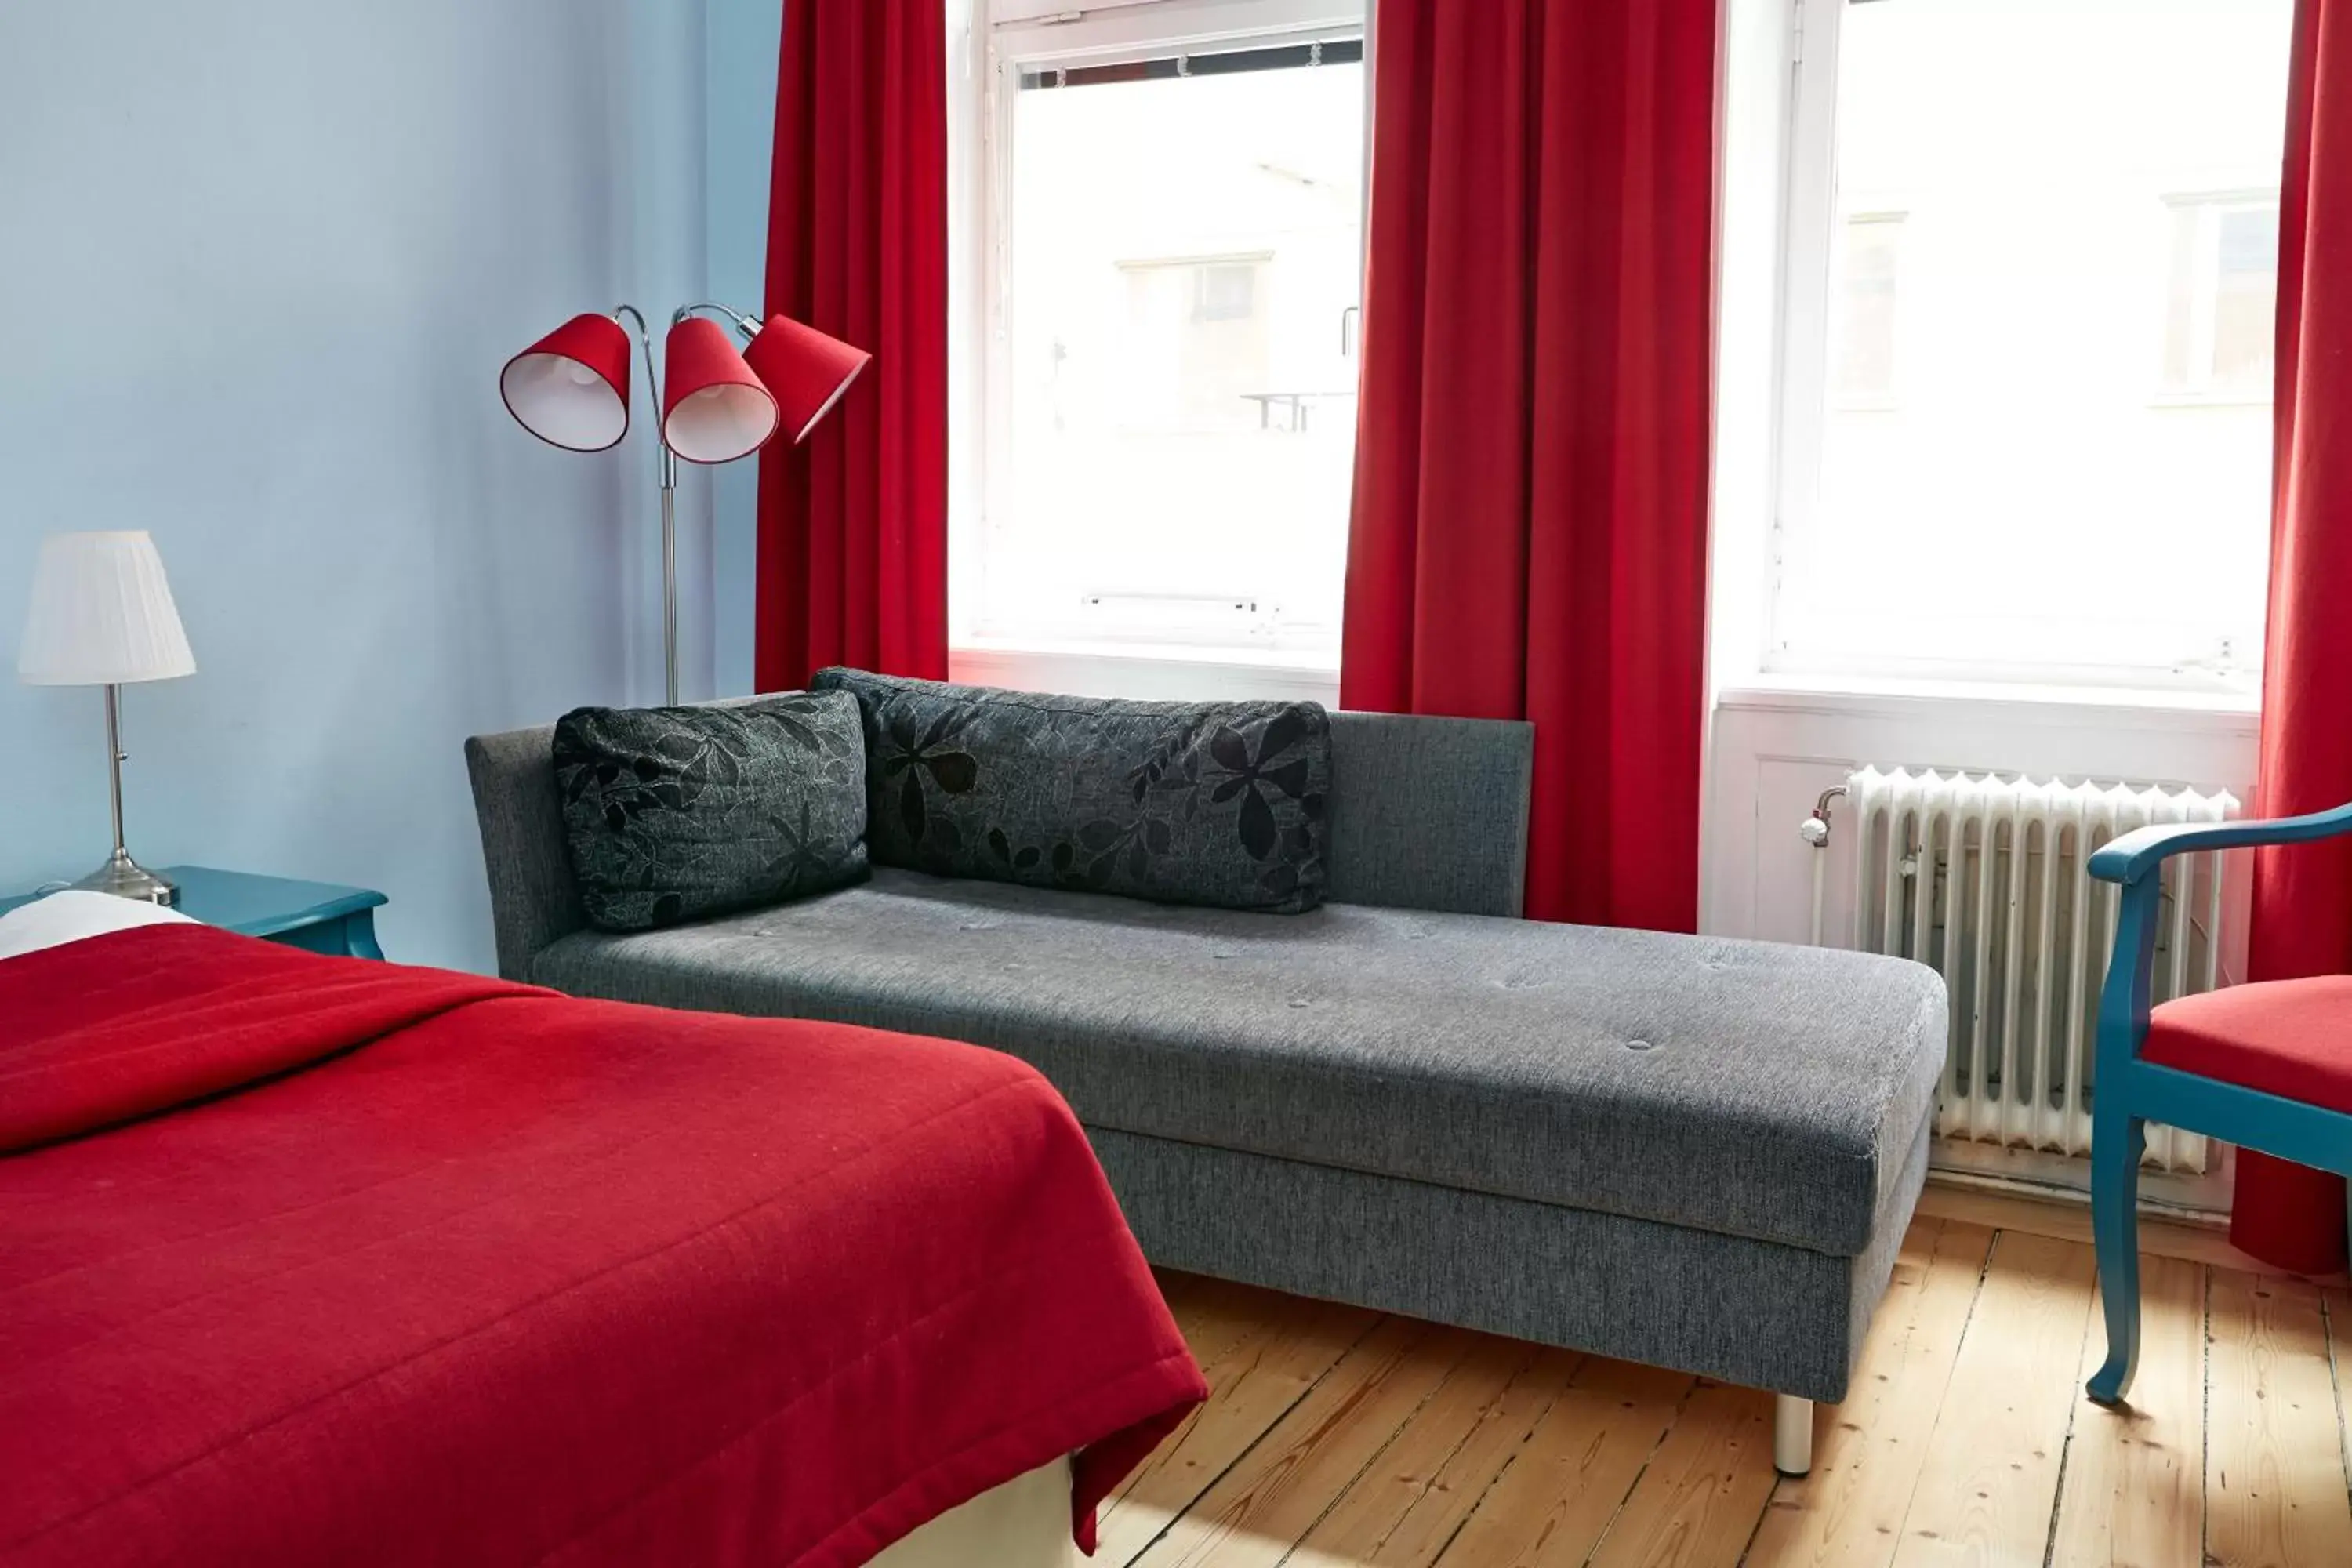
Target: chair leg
1793,1435
2116,1143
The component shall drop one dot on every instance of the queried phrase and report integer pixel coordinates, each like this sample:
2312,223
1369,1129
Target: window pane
1178,402
2183,296
2221,304
1865,361
2246,299
2070,471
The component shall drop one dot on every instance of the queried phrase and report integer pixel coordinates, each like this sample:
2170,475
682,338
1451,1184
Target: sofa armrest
533,898
1430,812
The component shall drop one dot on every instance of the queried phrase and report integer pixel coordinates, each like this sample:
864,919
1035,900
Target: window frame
1808,252
1805,395
1125,32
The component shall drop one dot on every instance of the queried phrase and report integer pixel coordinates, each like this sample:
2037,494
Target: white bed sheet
72,914
1024,1523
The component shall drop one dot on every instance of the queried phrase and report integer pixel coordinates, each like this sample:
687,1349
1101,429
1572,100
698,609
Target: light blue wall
743,39
260,261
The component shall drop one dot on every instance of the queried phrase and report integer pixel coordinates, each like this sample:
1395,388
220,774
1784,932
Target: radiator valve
1815,829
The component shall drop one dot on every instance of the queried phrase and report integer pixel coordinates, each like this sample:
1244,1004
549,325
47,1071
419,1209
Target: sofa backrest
1425,814
1429,814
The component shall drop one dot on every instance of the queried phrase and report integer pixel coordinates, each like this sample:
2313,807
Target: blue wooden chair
2270,1034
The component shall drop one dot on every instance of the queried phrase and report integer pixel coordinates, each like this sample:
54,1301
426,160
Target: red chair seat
2288,1038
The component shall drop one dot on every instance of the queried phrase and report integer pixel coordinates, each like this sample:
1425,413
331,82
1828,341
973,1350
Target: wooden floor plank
1402,1513
1221,1321
1175,1285
1219,1317
2337,1303
1990,1481
1568,1481
1698,1501
1867,1452
1251,1390
2133,1492
2274,1483
2069,1220
1338,1438
1262,1506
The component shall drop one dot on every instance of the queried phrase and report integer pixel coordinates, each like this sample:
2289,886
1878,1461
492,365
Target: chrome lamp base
122,876
126,878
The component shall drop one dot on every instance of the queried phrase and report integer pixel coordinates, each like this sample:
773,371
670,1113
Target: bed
309,1260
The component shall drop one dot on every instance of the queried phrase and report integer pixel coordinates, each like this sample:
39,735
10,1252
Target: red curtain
1529,535
2287,1215
853,523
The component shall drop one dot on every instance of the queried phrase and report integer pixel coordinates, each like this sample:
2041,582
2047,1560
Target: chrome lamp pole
747,329
668,471
122,876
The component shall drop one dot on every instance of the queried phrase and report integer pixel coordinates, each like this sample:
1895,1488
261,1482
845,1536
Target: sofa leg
1793,1435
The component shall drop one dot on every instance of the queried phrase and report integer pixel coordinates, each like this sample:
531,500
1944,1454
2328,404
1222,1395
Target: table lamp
718,402
102,615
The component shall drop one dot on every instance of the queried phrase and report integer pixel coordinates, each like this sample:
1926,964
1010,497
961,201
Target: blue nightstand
319,916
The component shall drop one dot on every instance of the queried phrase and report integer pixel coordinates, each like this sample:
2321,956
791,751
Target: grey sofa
1691,1152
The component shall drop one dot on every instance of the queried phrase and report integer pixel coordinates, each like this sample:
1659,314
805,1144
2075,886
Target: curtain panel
1530,524
2286,1215
853,524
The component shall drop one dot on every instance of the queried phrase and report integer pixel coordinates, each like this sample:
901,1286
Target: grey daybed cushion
1219,803
1740,1087
672,814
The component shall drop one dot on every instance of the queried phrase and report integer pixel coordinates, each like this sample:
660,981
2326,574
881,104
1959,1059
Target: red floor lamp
571,389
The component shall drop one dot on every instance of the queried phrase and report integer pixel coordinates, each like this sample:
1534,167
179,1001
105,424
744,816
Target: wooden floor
1334,1436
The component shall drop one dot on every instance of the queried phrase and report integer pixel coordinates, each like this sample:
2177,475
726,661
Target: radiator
1980,876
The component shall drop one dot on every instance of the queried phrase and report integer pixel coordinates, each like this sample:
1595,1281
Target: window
2026,347
1865,317
1196,348
1224,291
2222,307
1175,209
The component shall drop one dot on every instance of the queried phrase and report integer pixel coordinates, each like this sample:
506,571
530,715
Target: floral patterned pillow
1191,802
671,813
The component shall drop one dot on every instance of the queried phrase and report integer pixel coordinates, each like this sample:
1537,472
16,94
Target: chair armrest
2133,855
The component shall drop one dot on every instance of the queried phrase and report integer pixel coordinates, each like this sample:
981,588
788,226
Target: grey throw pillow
1191,803
671,813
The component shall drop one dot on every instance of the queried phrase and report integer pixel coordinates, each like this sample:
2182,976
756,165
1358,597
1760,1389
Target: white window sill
1167,672
1322,661
2210,400
2117,706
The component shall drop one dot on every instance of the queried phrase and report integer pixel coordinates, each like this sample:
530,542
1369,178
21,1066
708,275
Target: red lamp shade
806,370
714,409
571,389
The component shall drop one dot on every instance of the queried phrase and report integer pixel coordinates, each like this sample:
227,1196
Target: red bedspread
526,1278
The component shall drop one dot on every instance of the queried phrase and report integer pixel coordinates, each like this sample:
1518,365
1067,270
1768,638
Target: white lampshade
101,613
